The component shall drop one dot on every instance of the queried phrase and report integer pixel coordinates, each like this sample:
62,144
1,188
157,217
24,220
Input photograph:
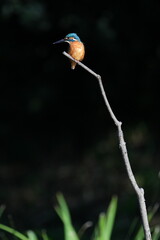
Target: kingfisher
76,47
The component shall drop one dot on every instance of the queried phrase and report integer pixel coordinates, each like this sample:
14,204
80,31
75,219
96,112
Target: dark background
56,134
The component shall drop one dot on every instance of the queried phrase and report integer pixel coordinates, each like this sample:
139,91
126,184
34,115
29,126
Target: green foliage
105,225
32,235
103,229
156,233
14,232
44,235
63,212
140,233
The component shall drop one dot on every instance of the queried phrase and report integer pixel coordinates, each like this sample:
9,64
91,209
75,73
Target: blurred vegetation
56,134
103,229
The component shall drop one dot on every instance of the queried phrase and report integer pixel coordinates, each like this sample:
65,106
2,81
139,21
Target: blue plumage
74,36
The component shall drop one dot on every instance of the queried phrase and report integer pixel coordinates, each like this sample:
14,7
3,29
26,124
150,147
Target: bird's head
71,37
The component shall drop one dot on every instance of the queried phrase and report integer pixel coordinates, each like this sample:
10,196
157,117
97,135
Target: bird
76,47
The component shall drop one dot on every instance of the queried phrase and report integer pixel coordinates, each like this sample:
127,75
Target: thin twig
122,144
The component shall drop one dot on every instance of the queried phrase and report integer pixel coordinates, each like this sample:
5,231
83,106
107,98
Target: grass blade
106,222
32,235
44,235
156,233
13,232
110,217
63,212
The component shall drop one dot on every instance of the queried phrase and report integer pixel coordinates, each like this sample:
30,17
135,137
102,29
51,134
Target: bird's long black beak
62,40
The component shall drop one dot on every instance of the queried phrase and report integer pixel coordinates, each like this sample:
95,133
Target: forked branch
122,144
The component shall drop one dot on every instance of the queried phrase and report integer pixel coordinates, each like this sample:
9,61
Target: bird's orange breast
77,50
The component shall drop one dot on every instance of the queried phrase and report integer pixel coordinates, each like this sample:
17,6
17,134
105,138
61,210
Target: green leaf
110,217
63,212
32,235
44,235
13,232
156,233
106,222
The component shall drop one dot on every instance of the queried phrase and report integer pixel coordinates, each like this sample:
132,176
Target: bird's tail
73,65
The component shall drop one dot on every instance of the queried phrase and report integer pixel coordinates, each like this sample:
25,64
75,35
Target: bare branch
122,144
